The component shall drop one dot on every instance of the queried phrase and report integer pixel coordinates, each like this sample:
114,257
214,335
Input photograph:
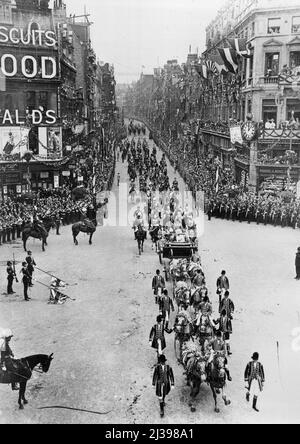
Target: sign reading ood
30,66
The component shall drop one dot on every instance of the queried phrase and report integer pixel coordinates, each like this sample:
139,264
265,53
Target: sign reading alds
29,66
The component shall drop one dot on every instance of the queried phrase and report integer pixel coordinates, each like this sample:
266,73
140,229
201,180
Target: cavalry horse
22,373
37,231
216,377
87,227
141,235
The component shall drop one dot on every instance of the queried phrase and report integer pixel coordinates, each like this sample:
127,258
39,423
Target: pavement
103,365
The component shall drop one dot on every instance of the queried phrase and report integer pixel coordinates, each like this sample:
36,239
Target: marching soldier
255,377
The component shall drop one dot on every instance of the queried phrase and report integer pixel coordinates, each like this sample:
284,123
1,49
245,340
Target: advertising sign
54,142
13,141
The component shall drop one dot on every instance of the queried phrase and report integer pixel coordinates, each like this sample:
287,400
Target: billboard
13,141
50,142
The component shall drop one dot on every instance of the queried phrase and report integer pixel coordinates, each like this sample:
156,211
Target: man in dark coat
255,377
163,381
297,264
165,307
30,266
157,336
10,277
158,285
223,281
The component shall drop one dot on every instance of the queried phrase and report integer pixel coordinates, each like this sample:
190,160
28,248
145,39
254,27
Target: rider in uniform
7,355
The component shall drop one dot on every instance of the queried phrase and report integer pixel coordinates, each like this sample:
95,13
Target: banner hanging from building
13,141
236,135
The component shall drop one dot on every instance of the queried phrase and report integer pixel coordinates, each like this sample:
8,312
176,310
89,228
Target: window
293,109
253,29
272,64
30,100
294,59
274,26
296,24
269,110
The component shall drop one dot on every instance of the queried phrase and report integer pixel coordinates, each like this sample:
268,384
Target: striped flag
241,47
229,57
2,81
211,66
219,64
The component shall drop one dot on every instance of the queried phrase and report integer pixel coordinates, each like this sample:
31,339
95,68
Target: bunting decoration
229,57
241,47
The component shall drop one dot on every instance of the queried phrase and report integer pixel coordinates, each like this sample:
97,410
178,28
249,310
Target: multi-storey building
30,109
267,87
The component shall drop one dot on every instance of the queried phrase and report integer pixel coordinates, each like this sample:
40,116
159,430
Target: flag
219,64
241,47
2,81
202,70
211,66
229,57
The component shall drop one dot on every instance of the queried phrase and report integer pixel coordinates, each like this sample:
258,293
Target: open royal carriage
175,249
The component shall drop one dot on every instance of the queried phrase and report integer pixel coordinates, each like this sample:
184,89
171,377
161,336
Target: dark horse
22,373
216,377
86,226
37,231
141,236
155,236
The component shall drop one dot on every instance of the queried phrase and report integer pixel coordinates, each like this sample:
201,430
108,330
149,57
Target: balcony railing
269,80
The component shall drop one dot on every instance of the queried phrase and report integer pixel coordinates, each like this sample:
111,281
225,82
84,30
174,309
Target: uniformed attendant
163,380
255,377
226,304
157,336
31,264
10,277
158,285
165,307
225,327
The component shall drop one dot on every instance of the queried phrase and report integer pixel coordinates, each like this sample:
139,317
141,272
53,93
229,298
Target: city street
102,360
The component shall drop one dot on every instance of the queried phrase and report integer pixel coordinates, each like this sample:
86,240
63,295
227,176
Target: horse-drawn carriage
169,251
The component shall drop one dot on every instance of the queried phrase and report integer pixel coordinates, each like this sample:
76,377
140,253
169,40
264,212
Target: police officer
30,266
10,277
26,280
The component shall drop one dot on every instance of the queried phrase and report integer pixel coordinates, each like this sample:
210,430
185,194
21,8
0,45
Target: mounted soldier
7,354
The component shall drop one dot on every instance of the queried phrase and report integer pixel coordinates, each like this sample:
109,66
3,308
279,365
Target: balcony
269,80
